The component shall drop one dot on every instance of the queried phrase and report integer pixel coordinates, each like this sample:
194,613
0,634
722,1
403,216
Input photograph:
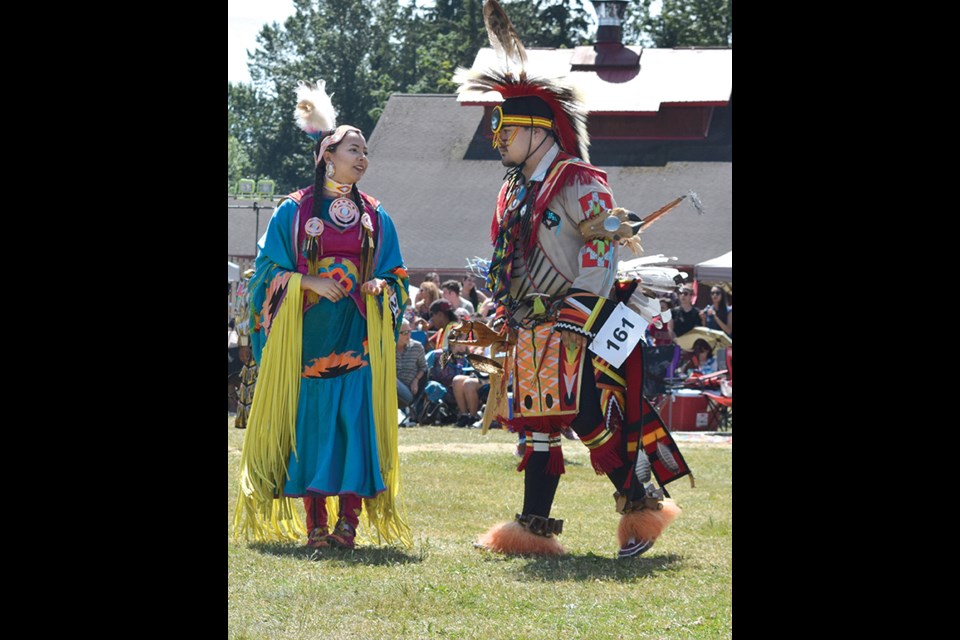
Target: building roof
443,203
663,77
438,178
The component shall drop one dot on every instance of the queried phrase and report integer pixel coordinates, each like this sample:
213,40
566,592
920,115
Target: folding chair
721,404
420,336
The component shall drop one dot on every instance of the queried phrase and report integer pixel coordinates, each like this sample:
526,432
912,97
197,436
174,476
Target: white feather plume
314,112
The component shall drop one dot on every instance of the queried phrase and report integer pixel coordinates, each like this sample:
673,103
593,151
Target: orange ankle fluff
646,524
511,537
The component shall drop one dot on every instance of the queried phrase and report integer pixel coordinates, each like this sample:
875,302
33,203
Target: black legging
539,488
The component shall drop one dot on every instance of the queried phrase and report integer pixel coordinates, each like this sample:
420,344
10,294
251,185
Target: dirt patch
458,447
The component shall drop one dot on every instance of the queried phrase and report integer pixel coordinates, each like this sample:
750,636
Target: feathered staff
625,226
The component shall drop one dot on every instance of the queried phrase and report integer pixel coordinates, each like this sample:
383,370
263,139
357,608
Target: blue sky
245,18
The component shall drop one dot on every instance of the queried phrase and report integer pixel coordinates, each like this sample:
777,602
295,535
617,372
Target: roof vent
610,15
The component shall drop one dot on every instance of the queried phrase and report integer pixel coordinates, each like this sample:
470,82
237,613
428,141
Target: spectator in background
451,293
426,296
461,386
719,313
433,277
474,295
685,315
411,367
664,335
441,315
702,361
248,374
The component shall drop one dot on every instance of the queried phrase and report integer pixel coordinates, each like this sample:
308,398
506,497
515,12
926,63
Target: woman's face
350,158
467,285
715,296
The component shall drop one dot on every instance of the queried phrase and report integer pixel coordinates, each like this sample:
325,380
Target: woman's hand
373,287
324,287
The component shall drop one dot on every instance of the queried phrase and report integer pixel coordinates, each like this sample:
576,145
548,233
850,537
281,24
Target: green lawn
456,484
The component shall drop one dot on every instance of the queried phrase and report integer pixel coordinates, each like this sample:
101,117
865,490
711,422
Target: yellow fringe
383,515
271,434
262,511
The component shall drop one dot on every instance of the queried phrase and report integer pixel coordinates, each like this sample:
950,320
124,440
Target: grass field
455,485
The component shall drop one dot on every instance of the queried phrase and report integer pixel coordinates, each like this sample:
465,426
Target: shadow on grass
377,556
592,566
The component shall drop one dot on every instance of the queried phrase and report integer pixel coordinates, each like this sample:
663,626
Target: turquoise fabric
336,448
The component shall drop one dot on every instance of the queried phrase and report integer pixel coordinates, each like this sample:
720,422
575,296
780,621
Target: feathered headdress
564,99
314,113
316,116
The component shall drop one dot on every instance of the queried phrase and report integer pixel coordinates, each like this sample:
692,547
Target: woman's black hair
699,344
722,308
473,296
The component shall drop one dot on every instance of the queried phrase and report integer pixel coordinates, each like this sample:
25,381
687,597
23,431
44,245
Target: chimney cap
610,12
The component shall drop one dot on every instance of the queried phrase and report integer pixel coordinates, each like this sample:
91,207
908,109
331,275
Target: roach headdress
530,101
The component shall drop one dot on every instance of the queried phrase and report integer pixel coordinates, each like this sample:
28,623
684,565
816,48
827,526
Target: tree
681,23
549,23
367,49
238,163
333,40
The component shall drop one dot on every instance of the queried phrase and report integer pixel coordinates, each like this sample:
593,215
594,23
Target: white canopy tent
233,272
719,268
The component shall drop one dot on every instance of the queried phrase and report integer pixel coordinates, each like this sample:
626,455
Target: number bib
619,335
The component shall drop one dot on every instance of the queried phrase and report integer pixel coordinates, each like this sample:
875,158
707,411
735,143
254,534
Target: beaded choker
336,187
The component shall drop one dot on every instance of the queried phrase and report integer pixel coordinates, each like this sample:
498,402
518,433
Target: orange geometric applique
332,365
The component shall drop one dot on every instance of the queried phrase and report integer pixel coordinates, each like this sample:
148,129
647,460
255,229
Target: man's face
514,145
404,335
451,297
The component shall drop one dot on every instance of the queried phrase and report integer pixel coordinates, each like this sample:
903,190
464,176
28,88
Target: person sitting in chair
411,367
702,362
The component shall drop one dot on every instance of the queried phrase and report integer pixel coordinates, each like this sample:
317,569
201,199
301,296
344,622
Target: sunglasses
686,293
714,293
403,333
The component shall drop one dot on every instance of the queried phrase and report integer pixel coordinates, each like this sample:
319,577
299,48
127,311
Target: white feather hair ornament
314,112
